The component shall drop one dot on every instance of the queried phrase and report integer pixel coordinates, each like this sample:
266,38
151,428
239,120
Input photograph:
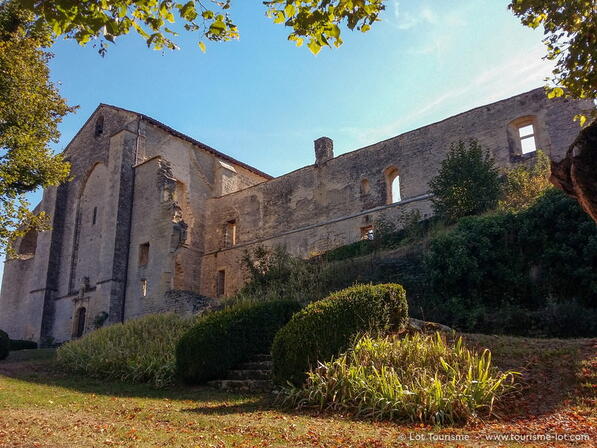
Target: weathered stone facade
155,221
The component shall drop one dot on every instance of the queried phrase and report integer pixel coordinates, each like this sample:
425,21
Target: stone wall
325,205
150,210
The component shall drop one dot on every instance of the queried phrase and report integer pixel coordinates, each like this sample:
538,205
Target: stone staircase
251,376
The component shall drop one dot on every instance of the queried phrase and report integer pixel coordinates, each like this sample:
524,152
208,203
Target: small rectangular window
221,283
527,138
94,215
143,254
143,288
230,233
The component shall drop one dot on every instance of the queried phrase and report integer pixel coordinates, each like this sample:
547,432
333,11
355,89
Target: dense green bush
20,344
523,184
225,338
547,250
468,182
504,272
327,327
4,345
140,350
419,378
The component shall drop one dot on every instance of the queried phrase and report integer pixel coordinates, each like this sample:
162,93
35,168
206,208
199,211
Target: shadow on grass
549,367
39,367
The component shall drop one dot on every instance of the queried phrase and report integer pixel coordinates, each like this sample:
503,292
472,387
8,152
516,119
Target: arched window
28,244
365,187
525,137
99,126
80,322
392,185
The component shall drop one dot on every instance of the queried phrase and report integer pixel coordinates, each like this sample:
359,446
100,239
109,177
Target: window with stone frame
221,283
365,187
525,137
143,254
143,287
230,233
99,126
393,194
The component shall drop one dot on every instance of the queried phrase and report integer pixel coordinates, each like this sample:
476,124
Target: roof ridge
191,140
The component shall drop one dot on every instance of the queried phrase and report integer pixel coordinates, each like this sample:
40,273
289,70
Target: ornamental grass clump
137,351
418,378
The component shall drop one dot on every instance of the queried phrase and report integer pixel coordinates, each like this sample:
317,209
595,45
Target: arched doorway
80,322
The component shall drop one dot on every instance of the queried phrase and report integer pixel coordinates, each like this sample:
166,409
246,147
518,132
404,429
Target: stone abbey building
152,216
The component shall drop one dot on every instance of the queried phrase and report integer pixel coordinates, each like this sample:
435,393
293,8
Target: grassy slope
41,407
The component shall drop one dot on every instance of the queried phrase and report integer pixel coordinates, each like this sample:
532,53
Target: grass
42,407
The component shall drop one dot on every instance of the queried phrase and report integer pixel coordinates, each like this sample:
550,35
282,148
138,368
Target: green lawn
43,407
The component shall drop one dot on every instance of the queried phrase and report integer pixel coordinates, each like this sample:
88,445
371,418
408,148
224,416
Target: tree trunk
576,174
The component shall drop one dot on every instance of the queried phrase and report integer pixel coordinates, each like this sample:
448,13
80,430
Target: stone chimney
324,150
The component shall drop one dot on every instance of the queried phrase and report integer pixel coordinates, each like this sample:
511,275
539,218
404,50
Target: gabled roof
191,140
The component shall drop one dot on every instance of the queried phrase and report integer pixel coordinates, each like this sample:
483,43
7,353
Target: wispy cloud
522,71
405,20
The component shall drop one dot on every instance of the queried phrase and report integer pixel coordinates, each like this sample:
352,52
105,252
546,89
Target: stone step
242,385
261,357
255,365
249,374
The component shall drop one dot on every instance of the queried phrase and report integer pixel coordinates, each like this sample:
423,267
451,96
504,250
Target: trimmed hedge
225,338
327,327
4,345
20,344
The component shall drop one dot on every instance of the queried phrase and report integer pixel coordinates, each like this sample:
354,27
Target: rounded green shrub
327,327
225,338
4,345
20,344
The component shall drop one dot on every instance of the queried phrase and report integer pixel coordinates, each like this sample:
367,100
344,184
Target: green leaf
289,10
202,47
314,46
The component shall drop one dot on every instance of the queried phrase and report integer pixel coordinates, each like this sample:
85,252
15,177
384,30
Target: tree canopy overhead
316,21
30,110
570,28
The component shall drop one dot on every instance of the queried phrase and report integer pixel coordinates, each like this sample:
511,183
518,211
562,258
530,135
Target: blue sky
263,101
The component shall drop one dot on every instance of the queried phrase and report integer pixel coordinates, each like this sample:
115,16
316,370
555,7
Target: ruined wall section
174,179
24,280
326,205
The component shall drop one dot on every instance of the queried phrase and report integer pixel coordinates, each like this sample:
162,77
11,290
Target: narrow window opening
143,254
392,185
367,233
527,138
365,187
230,233
143,287
221,283
94,215
99,126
